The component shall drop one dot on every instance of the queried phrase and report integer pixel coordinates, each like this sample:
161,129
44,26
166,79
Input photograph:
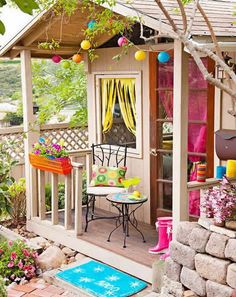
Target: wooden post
180,135
68,213
55,219
41,194
32,134
78,199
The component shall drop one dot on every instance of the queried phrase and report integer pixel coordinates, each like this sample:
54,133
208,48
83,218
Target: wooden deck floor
136,249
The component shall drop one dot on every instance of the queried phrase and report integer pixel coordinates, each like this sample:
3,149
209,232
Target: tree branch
192,17
183,14
166,14
211,30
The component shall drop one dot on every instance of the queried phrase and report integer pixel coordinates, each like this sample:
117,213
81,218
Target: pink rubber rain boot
169,232
163,241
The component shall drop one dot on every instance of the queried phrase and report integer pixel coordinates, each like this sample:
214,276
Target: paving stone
14,293
230,250
193,281
170,287
211,268
183,231
231,275
198,239
216,290
182,254
172,269
205,222
216,245
24,288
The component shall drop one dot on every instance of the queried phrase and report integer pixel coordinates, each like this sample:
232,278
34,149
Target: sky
14,21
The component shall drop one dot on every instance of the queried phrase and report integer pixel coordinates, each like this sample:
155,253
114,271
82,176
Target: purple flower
37,152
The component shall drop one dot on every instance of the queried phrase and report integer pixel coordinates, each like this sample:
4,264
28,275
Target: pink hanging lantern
56,59
122,41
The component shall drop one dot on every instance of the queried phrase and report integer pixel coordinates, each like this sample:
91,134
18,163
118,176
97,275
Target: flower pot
60,166
230,224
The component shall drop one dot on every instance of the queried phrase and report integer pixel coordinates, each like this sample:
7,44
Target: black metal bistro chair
104,155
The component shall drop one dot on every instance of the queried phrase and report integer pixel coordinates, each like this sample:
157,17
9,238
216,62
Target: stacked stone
202,261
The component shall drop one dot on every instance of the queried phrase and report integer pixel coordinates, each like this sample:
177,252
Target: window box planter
60,166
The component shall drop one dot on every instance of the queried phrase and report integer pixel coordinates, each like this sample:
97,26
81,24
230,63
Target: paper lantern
92,24
163,57
56,59
122,41
77,58
85,45
65,64
140,55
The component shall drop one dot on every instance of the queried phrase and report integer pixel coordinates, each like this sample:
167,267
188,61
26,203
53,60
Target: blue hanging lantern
92,24
163,57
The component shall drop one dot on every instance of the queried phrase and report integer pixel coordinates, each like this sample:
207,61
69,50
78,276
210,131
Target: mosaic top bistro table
123,202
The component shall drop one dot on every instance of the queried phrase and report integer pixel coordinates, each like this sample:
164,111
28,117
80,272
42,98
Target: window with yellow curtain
118,111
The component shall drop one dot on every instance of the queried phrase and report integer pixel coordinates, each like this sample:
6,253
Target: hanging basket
62,166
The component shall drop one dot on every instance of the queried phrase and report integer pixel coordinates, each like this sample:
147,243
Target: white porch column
29,129
180,135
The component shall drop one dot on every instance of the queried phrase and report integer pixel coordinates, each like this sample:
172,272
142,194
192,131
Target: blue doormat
102,280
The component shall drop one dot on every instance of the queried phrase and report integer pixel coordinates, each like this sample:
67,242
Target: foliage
27,6
219,201
50,150
6,164
17,261
55,88
3,291
61,196
17,201
10,83
13,118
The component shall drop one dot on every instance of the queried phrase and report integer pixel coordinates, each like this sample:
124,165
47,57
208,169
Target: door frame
155,210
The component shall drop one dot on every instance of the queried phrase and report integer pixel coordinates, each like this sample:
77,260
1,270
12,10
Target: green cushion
103,176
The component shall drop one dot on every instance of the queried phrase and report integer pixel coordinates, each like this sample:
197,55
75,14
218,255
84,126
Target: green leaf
2,28
27,6
2,3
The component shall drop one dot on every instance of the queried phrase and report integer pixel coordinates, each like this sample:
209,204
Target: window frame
137,152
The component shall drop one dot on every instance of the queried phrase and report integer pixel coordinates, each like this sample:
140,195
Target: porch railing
72,198
76,138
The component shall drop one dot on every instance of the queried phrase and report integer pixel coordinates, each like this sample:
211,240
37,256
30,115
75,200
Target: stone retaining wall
202,262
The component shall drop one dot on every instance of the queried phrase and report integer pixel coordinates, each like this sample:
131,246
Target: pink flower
20,264
10,264
13,255
1,251
35,255
10,242
26,252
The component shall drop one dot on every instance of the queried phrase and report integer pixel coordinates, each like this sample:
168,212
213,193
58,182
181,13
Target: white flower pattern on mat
99,269
78,270
135,284
112,278
109,293
85,280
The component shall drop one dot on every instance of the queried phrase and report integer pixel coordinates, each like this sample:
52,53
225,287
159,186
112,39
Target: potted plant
219,202
51,157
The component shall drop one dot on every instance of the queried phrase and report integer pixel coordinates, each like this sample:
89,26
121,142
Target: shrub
3,291
17,261
17,201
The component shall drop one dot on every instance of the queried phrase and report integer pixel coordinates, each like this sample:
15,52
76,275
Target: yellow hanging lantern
140,55
85,45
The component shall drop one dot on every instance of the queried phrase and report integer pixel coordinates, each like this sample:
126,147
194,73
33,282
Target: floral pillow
103,176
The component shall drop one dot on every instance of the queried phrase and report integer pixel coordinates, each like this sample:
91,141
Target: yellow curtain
124,90
108,96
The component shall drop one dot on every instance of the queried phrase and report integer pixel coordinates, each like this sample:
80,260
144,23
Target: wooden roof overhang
47,26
